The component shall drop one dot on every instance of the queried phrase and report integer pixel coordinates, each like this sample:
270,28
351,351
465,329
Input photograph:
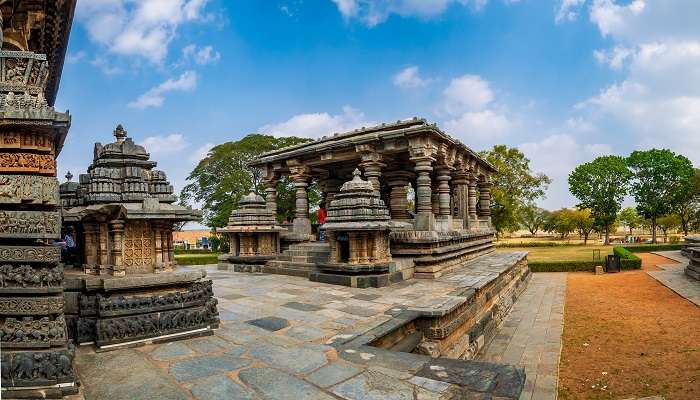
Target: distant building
188,240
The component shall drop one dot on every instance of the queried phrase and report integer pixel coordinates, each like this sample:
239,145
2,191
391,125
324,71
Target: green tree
660,176
600,185
564,222
514,186
688,205
666,223
223,177
584,223
629,218
532,218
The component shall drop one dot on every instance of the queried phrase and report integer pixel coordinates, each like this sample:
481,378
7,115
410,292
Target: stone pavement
673,276
285,337
531,335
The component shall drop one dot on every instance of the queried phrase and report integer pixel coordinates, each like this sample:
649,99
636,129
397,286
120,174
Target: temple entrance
343,247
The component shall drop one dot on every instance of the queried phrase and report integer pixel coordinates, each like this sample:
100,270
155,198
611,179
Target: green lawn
197,259
562,253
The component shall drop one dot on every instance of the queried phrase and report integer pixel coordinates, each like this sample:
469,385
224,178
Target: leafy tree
666,223
660,177
688,206
223,177
515,186
564,222
533,218
601,185
584,223
629,217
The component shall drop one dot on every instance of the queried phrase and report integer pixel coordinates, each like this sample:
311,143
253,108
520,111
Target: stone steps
299,259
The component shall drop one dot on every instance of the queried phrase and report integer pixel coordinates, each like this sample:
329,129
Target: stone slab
278,385
201,367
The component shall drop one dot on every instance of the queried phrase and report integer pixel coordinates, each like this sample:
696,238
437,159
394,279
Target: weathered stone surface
201,367
27,254
332,374
43,164
270,323
168,351
30,224
372,385
220,388
277,385
294,359
301,306
28,189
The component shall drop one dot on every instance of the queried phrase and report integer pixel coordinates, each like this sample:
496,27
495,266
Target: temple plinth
123,213
254,236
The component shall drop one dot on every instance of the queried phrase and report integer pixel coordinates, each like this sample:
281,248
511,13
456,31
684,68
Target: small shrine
128,290
253,234
358,226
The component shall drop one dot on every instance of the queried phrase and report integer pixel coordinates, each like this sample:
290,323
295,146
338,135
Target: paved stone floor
285,337
674,277
531,335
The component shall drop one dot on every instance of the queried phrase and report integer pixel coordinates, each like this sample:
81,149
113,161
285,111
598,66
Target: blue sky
564,80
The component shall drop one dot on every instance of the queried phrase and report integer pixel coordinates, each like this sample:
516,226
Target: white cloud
318,124
479,126
374,12
73,58
172,143
200,55
186,82
409,78
467,93
568,10
137,28
105,66
615,57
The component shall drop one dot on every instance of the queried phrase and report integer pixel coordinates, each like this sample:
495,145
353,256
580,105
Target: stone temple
127,290
36,353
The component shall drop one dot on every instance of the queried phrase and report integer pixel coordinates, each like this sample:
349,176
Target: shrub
646,248
538,244
627,259
197,259
192,251
563,266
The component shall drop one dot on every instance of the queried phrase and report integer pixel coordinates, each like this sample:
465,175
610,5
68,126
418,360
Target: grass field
563,253
197,259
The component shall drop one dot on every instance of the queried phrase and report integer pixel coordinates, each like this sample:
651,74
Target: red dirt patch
625,335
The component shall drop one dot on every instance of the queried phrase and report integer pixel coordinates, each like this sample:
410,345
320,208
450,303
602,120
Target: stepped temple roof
252,216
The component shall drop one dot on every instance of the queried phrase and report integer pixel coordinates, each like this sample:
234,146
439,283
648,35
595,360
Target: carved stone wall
28,189
138,247
30,224
43,164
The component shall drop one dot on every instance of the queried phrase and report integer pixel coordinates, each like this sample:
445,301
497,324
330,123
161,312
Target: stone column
461,197
271,196
116,230
92,247
485,201
354,247
158,247
372,166
398,202
435,197
233,244
425,220
471,185
302,223
171,250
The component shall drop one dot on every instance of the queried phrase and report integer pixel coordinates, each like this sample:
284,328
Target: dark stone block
271,324
504,381
302,306
331,279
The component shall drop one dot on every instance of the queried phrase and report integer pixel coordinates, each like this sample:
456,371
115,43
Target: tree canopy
515,186
629,217
601,185
223,177
660,177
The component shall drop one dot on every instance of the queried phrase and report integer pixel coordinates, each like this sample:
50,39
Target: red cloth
321,216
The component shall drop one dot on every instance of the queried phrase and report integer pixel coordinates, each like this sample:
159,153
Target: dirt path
628,335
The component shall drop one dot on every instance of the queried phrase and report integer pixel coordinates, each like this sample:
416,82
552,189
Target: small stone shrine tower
129,290
357,227
254,236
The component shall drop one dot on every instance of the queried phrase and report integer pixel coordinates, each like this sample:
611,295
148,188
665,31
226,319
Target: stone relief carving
138,250
24,140
29,189
30,224
24,71
30,332
31,305
30,368
30,254
28,162
197,293
26,277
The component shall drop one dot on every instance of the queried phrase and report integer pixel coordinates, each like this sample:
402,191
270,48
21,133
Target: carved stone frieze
196,294
28,189
26,279
135,327
33,368
31,305
24,140
45,254
30,224
23,71
30,332
28,162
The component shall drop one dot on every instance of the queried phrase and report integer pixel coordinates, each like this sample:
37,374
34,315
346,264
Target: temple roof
252,215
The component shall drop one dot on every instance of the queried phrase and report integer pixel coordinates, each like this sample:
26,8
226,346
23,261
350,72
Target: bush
538,244
197,259
563,266
647,248
192,251
627,259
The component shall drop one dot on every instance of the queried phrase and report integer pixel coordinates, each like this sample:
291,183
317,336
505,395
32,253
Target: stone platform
286,337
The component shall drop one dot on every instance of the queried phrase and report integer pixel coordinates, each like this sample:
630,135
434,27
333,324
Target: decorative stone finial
120,133
69,176
356,173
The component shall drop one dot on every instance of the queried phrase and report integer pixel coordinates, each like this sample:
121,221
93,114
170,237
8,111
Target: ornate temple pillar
354,247
425,220
234,247
300,177
116,230
398,201
485,201
271,196
461,197
471,187
435,197
171,250
157,247
372,166
104,259
92,247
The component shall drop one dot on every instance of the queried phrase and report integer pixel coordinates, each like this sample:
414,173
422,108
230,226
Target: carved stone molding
23,71
28,368
196,294
28,162
26,140
30,224
29,189
30,332
31,305
27,279
43,254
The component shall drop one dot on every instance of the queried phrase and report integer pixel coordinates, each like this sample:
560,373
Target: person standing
321,221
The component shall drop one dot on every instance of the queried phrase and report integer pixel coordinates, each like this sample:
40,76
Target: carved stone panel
138,247
28,189
196,294
29,368
26,141
27,279
22,254
30,224
23,71
28,162
30,332
31,305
